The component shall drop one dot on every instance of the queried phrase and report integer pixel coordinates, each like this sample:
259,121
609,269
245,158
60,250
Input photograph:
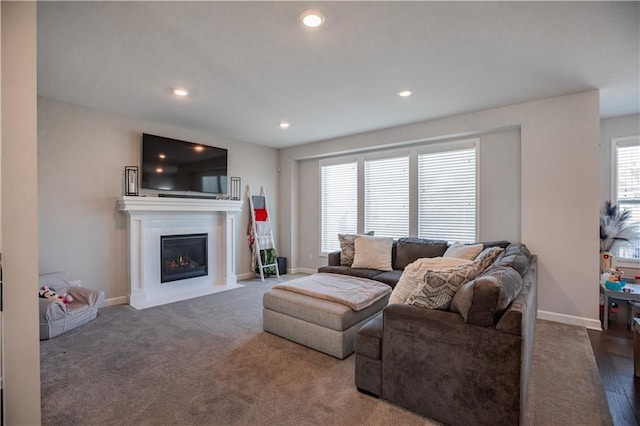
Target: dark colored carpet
206,361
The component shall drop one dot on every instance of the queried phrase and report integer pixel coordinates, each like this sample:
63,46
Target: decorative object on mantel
234,191
131,180
615,228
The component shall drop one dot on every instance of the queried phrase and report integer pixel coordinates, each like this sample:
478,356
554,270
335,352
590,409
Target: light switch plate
76,283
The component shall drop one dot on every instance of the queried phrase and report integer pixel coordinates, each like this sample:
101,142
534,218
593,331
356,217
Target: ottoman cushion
317,311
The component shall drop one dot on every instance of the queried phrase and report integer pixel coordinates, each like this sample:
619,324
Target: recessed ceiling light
199,148
180,91
284,125
162,156
158,170
405,93
312,18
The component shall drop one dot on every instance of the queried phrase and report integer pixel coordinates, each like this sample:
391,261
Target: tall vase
607,261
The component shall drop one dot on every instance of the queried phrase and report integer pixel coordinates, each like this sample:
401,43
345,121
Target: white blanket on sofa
356,293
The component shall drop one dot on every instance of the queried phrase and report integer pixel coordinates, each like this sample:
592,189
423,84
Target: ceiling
251,65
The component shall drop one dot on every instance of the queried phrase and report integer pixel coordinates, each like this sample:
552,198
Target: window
386,196
447,195
626,187
339,203
427,191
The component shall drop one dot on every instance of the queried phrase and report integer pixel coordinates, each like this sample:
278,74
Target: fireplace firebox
183,256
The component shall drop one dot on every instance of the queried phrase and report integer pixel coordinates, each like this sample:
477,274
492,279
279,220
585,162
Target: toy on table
50,293
614,279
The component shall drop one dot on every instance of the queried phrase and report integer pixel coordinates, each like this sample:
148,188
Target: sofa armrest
435,364
333,258
51,310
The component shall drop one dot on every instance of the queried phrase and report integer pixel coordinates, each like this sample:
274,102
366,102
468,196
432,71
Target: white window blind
339,203
386,196
628,190
447,195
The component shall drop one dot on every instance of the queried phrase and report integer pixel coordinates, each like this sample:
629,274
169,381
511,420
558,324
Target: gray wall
20,331
499,186
82,153
559,170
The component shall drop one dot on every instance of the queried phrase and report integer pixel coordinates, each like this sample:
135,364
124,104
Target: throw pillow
493,293
414,273
437,288
463,251
488,256
347,249
372,253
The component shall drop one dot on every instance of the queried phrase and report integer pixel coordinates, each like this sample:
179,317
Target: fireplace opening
183,256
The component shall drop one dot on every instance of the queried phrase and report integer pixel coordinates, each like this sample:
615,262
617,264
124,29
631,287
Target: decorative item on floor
264,258
57,317
131,180
235,188
615,228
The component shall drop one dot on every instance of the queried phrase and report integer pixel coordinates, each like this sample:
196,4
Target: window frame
615,144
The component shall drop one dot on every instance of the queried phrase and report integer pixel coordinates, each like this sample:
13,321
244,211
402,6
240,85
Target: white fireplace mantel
151,217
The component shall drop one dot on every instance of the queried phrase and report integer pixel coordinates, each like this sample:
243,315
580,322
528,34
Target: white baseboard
246,276
590,323
122,300
308,271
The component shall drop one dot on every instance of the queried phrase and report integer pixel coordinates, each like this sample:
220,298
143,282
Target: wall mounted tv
174,165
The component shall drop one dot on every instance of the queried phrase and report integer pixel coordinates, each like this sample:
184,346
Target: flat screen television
174,165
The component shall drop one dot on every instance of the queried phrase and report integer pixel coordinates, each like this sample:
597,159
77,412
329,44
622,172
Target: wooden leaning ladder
261,234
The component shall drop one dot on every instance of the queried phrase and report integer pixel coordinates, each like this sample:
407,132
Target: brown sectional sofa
465,367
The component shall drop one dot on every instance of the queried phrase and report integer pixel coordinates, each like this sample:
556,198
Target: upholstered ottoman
323,311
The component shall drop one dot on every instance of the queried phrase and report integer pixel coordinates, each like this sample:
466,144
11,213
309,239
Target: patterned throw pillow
488,256
413,275
437,288
347,247
463,251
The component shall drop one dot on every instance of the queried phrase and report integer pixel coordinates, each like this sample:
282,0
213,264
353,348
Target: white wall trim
590,323
309,271
246,276
113,301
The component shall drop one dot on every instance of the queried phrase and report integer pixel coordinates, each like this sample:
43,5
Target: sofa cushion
482,301
437,288
411,249
373,253
347,248
348,270
499,243
389,277
463,251
517,256
414,273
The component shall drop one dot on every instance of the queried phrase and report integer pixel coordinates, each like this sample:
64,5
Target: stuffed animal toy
50,293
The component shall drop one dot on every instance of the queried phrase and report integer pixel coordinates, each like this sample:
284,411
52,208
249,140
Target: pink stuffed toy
50,293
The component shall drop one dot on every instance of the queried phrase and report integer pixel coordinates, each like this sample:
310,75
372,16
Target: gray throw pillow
483,300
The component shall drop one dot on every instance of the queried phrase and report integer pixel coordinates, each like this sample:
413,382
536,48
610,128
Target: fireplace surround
151,218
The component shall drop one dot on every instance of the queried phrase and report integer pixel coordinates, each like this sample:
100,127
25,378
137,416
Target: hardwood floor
613,351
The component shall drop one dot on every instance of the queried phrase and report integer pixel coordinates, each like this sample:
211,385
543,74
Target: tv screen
174,165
